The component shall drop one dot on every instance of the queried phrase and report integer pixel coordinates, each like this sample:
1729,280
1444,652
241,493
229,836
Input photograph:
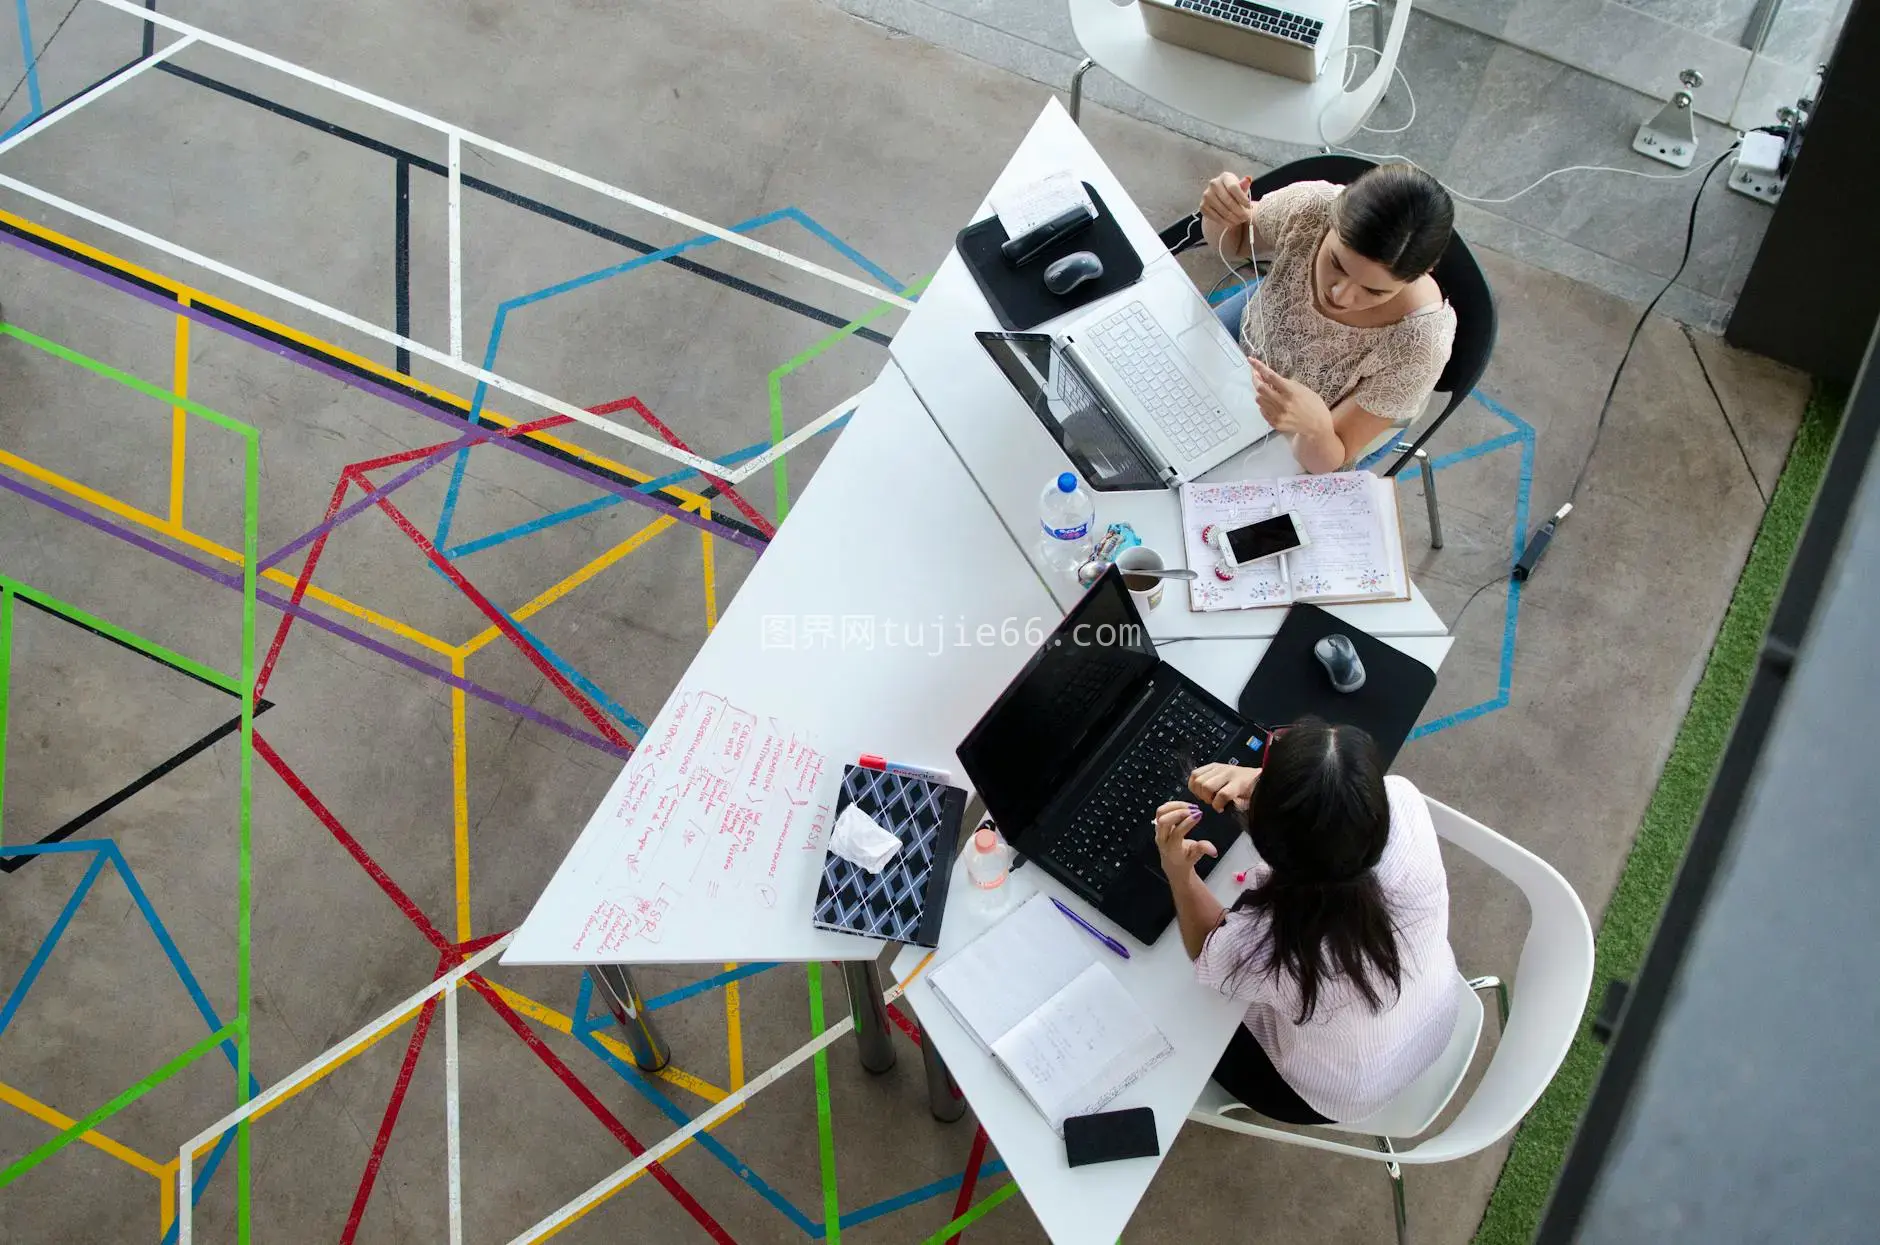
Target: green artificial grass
1540,1145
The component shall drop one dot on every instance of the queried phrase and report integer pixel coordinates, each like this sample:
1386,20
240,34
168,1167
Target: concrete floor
728,111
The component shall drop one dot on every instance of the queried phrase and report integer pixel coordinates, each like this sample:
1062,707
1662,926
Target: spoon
1090,572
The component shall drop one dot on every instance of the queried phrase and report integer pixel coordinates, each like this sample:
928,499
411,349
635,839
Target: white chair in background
1539,1017
1226,93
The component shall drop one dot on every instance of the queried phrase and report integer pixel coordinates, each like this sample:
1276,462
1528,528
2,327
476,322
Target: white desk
831,561
1011,456
1094,1203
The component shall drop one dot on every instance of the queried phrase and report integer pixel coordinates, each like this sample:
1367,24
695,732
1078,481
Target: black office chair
1456,272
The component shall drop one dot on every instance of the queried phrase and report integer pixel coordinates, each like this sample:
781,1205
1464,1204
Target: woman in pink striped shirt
1339,946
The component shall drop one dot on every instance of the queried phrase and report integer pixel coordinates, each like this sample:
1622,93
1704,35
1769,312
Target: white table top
892,696
1235,96
1010,454
1094,1203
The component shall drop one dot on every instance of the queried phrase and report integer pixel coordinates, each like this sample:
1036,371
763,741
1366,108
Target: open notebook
1033,994
1354,549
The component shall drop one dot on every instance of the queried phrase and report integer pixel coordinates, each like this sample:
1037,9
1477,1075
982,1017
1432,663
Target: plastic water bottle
988,862
1067,516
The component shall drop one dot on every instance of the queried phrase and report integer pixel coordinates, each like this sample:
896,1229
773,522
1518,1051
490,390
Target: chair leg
1395,1171
1500,988
1077,88
1429,491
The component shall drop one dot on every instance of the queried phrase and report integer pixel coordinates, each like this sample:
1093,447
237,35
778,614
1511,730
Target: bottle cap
1067,483
986,840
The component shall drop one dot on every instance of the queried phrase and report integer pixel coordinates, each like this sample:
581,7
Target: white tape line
333,1053
453,1146
752,466
504,149
456,247
185,1193
730,1103
102,89
536,396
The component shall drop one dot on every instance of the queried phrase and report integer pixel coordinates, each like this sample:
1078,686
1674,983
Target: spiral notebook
1354,541
905,901
1032,992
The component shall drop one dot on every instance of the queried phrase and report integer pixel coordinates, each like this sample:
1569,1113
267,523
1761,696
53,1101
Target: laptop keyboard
1278,23
1116,822
1138,348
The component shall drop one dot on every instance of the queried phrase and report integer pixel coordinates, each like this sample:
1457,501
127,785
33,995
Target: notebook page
1008,972
1088,1043
1347,555
1230,505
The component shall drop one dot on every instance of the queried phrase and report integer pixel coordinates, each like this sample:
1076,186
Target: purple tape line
231,579
372,496
379,389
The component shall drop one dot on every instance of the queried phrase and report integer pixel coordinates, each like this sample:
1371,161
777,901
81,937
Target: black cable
34,62
1724,411
1457,620
1690,233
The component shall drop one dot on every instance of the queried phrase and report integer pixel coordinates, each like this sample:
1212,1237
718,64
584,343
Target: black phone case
1110,1135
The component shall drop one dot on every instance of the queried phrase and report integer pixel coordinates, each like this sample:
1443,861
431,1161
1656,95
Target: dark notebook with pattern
905,901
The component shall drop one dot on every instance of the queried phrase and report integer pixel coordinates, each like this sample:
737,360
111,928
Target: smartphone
1266,539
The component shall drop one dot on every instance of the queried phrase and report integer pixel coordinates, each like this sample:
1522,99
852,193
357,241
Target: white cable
1454,193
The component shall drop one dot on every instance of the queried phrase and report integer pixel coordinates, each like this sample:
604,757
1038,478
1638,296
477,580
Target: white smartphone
1268,538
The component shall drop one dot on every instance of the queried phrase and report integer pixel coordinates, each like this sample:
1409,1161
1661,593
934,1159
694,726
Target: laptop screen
1074,416
1046,722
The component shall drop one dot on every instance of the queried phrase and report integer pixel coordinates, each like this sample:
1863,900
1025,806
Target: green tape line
244,987
79,1128
972,1215
773,385
126,379
825,1129
6,671
167,656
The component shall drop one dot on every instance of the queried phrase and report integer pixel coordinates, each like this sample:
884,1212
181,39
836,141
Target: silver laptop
1293,38
1143,389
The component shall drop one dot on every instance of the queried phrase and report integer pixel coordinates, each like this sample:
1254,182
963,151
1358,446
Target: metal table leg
615,985
943,1096
872,1040
1077,88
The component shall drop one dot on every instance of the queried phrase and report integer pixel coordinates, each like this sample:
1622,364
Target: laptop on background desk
1078,752
1293,38
1159,390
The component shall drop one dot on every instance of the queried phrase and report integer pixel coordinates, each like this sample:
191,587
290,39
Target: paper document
1023,208
1353,551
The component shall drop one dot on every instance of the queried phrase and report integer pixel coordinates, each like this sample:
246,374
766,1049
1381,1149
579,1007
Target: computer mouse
1339,656
1065,275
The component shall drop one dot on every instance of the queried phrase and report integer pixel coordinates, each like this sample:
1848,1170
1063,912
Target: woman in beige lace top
1348,331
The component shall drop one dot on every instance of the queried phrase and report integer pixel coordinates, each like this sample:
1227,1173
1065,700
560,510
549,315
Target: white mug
1137,556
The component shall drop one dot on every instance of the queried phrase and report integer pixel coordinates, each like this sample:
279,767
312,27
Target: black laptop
1093,735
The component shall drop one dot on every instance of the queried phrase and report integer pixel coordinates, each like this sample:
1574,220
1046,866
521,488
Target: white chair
1538,1020
1228,94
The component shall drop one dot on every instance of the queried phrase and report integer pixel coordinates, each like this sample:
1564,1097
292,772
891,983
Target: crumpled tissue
859,839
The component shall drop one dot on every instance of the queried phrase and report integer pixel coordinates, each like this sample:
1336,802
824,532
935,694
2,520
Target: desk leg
943,1096
1077,88
872,1039
615,985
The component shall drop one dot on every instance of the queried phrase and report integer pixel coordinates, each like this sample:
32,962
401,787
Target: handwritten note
1353,549
707,810
1208,508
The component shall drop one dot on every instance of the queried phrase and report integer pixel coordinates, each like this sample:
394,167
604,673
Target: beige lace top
1390,370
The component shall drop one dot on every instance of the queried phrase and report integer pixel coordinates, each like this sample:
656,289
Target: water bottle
988,861
1068,518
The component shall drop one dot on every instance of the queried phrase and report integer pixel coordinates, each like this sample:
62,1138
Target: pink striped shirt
1348,1061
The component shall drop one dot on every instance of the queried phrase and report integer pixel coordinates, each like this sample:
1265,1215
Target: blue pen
1093,931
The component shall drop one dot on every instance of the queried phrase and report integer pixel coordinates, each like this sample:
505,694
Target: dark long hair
1320,817
1398,216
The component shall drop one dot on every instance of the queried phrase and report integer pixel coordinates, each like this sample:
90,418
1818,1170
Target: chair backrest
1547,997
1456,272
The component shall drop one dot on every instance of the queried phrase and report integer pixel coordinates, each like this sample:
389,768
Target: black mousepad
1018,296
1289,682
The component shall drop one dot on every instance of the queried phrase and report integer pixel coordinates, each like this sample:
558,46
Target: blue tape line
203,1007
449,511
31,59
631,1075
1524,435
913,1197
599,503
201,1183
501,318
50,941
710,983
